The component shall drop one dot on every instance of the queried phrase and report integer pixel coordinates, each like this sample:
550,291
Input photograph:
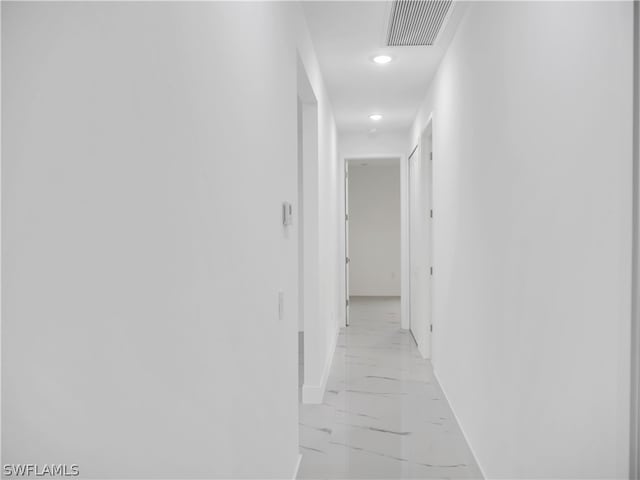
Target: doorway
372,229
307,232
421,222
346,242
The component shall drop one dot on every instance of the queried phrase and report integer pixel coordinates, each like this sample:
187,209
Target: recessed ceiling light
375,117
382,59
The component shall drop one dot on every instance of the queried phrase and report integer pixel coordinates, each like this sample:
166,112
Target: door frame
424,344
634,440
404,262
346,243
307,222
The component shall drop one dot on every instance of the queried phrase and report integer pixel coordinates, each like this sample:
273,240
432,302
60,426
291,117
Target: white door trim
634,457
419,237
404,227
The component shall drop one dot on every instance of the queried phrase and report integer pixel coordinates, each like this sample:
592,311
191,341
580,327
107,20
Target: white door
346,241
421,270
427,164
415,257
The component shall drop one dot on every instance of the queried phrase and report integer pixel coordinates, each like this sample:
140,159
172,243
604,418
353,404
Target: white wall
381,144
374,230
532,147
143,174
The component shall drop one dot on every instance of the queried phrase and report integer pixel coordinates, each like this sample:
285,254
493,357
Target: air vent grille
416,22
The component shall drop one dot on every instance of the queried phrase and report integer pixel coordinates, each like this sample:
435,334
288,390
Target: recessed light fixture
375,117
382,59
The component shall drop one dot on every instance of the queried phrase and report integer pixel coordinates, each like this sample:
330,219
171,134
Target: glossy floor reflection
384,414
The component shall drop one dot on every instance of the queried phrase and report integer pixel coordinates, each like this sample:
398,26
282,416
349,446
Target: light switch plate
281,305
287,213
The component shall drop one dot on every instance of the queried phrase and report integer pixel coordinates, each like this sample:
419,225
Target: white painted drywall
144,168
532,147
381,144
374,229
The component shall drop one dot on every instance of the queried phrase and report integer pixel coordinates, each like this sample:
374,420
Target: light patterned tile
384,415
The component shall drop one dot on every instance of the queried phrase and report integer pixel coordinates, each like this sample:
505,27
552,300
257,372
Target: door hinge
346,217
431,213
430,155
431,327
347,260
347,302
431,270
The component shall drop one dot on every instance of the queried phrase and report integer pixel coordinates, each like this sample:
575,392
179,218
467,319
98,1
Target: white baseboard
295,472
423,353
464,434
314,394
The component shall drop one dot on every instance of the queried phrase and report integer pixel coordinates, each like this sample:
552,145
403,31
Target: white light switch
287,213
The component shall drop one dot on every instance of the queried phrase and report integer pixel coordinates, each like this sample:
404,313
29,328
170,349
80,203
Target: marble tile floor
384,414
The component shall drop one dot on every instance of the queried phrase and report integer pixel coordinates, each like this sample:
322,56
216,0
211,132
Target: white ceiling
346,35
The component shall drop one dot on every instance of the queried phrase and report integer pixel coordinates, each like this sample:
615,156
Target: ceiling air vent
416,22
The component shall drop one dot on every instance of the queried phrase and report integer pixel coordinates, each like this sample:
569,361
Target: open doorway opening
309,327
372,231
421,222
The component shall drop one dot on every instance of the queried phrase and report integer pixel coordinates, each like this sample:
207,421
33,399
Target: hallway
384,414
192,190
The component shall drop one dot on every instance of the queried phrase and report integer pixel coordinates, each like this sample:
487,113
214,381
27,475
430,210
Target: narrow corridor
384,414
